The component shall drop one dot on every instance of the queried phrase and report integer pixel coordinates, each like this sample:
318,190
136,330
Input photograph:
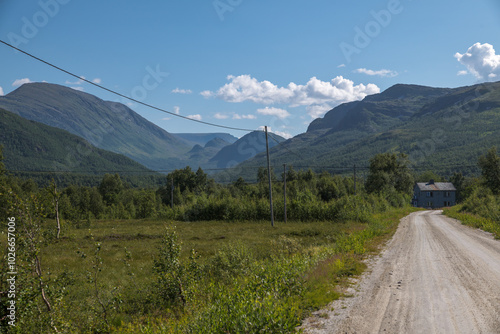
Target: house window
430,194
447,194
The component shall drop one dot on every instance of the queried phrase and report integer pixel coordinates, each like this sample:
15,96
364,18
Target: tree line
176,283
193,195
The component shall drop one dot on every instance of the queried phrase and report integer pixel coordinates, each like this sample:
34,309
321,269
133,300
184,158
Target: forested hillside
440,129
108,125
29,146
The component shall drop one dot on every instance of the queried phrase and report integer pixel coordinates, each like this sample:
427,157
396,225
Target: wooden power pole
284,188
354,179
172,194
269,177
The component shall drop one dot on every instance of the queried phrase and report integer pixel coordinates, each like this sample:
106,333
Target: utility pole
269,177
172,194
354,179
284,188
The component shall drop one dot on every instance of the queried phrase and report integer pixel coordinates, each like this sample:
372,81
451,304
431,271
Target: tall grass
147,276
480,210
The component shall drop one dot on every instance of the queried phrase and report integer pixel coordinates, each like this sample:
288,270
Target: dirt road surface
434,276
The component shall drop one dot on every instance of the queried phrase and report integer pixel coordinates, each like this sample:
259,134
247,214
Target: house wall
438,199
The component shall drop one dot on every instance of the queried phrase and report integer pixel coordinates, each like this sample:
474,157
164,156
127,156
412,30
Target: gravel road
434,276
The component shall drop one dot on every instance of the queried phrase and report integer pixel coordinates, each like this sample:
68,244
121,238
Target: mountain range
441,129
113,127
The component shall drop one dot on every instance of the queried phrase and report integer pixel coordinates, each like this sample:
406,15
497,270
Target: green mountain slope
108,125
440,129
31,146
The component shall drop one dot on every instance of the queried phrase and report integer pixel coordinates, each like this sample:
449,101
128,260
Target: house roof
443,186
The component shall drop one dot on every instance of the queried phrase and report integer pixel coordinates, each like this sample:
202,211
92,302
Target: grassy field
102,278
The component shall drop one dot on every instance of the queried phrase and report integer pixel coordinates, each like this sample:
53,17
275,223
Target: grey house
434,195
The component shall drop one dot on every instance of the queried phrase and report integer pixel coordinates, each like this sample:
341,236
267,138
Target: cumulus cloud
97,81
381,73
481,60
220,116
249,116
285,135
318,110
206,94
181,91
315,92
177,110
80,89
20,82
1,92
78,82
280,113
196,117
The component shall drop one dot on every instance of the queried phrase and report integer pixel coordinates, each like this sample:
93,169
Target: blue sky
247,64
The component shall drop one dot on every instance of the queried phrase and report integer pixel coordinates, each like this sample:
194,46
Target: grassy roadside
149,276
472,220
330,276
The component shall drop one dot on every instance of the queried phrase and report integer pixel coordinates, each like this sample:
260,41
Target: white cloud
249,116
177,110
80,89
97,80
196,117
381,73
181,91
481,60
20,82
78,82
285,135
316,111
462,73
1,92
338,90
280,113
341,65
206,94
220,116
165,119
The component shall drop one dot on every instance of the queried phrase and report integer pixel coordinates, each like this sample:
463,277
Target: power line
122,95
189,119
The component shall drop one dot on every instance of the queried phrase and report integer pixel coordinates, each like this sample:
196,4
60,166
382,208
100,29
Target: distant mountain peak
243,149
